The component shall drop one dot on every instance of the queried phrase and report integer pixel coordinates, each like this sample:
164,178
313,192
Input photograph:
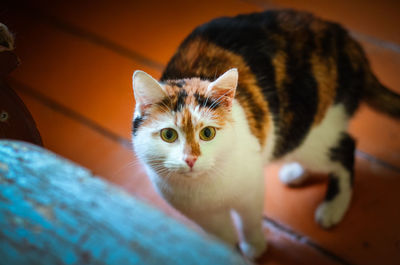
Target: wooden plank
55,212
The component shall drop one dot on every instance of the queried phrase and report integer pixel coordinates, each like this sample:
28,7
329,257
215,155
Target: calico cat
241,92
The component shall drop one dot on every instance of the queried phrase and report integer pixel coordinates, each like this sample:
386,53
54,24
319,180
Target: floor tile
368,234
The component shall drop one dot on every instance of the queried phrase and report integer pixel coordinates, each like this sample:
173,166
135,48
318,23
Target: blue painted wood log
55,212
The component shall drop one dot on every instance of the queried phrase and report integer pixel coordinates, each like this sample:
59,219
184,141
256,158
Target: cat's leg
292,174
338,196
254,243
250,212
220,224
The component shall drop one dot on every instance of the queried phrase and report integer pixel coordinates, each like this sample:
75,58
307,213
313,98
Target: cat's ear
146,89
224,87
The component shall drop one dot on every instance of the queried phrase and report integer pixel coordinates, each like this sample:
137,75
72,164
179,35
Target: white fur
319,141
292,174
329,213
313,154
146,89
270,144
226,81
8,37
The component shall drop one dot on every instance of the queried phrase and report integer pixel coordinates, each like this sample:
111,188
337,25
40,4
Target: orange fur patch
324,72
279,63
192,146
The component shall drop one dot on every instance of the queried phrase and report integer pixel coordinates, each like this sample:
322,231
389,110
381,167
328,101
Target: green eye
169,135
207,133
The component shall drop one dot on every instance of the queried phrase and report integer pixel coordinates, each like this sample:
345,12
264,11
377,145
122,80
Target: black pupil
207,132
169,134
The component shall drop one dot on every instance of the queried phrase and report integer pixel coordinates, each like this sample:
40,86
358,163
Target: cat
241,92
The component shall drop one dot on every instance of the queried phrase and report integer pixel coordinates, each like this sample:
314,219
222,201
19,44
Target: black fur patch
301,88
351,82
344,153
178,83
333,188
180,102
136,124
206,102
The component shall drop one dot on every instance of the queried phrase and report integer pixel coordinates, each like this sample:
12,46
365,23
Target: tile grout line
380,43
303,239
375,160
384,44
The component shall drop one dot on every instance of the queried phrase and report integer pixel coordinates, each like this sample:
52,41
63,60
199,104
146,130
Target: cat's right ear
146,89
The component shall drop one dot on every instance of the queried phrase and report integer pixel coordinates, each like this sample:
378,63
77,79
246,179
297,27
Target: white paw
253,251
292,174
331,213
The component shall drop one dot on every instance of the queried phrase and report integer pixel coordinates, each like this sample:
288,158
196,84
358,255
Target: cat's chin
189,174
192,174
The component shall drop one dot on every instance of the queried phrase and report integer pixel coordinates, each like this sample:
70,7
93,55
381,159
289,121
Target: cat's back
292,67
257,38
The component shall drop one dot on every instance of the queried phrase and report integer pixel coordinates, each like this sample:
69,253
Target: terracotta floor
75,77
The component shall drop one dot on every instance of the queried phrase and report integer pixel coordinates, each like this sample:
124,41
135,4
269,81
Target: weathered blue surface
54,212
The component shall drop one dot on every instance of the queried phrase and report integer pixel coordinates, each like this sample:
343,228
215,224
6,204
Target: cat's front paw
330,213
253,251
292,174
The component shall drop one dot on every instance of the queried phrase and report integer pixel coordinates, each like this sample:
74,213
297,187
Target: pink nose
190,160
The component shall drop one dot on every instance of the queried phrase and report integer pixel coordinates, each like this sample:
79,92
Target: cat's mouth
189,173
181,172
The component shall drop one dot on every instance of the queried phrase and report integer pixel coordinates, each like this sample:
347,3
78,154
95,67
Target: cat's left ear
146,89
224,88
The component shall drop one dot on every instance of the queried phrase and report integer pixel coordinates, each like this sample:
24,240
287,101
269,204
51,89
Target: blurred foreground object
16,122
55,212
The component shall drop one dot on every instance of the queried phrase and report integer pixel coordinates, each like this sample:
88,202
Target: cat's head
183,127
